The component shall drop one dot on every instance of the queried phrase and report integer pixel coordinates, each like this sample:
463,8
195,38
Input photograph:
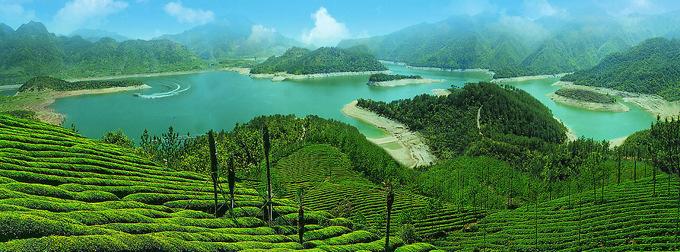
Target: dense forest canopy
450,123
652,67
42,83
379,77
32,51
323,60
585,95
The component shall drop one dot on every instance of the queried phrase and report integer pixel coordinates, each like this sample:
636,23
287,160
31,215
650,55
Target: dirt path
404,145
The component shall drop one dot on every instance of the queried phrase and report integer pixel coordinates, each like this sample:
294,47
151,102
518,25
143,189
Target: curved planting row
63,192
629,216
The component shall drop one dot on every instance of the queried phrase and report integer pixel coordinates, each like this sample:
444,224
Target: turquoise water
219,100
594,124
8,92
196,103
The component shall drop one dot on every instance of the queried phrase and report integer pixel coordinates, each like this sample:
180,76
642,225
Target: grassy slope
62,192
629,218
329,181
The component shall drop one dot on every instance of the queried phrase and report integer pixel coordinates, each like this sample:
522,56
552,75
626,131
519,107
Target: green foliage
628,217
509,50
449,124
63,192
42,83
323,60
585,95
379,77
118,138
32,51
649,68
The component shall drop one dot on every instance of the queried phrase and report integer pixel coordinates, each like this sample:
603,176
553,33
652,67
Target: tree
266,146
213,165
390,200
301,216
231,177
118,138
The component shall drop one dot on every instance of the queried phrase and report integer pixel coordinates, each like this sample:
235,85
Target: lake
195,103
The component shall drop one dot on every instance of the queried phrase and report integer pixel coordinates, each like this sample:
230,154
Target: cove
220,100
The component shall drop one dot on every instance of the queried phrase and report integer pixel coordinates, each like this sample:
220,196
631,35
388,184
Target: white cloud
78,13
541,8
260,33
14,14
522,27
188,15
327,31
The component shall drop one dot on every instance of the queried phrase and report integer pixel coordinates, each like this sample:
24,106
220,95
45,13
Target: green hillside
63,192
650,68
625,217
323,60
32,51
511,47
505,114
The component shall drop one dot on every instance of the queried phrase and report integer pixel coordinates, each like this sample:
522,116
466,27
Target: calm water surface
196,103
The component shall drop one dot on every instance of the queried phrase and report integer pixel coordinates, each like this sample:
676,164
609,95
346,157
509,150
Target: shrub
95,196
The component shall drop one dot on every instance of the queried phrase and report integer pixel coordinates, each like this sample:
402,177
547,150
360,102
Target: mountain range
513,46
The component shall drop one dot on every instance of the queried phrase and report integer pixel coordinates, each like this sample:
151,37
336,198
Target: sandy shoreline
441,92
47,114
613,107
403,82
9,87
146,75
412,151
653,104
528,78
286,76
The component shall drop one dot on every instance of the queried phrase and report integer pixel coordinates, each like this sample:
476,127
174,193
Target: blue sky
313,21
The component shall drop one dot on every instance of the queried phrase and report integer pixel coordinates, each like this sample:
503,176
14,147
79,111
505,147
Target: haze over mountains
231,39
513,46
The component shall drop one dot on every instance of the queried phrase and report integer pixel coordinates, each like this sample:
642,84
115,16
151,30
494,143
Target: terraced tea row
628,217
62,192
330,184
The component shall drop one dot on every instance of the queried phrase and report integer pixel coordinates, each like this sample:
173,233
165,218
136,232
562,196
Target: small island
301,63
45,83
588,99
393,80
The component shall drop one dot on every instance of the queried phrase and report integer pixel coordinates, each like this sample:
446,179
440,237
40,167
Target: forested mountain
513,46
323,60
233,39
652,67
93,35
32,51
450,124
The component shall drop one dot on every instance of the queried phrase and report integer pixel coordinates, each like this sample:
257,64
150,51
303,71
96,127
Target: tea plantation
330,184
63,192
629,217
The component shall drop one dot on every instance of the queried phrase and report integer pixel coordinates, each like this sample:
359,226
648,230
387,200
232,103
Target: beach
286,76
610,107
653,104
404,145
441,92
528,78
403,82
47,114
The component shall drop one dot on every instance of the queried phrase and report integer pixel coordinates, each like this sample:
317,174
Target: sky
318,22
